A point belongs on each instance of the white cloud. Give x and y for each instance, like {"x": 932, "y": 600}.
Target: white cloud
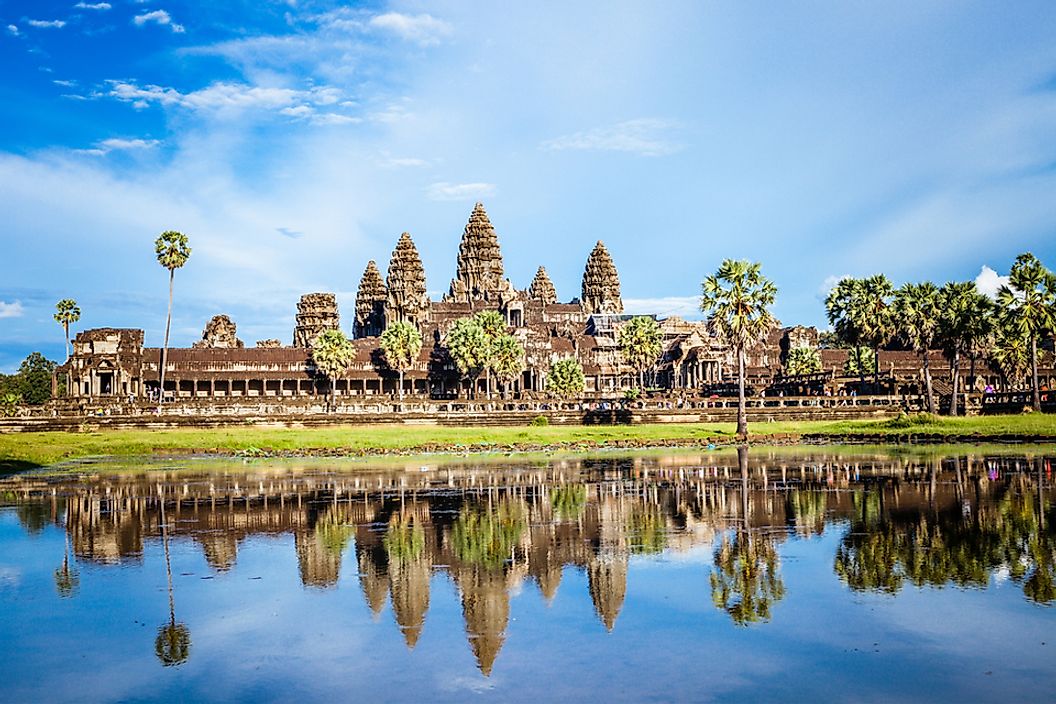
{"x": 989, "y": 281}
{"x": 65, "y": 84}
{"x": 664, "y": 307}
{"x": 11, "y": 310}
{"x": 424, "y": 30}
{"x": 227, "y": 96}
{"x": 159, "y": 17}
{"x": 118, "y": 144}
{"x": 101, "y": 6}
{"x": 12, "y": 29}
{"x": 644, "y": 137}
{"x": 46, "y": 24}
{"x": 830, "y": 283}
{"x": 459, "y": 191}
{"x": 402, "y": 162}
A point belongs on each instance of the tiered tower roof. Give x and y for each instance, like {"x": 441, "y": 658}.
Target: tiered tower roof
{"x": 316, "y": 313}
{"x": 406, "y": 299}
{"x": 601, "y": 283}
{"x": 370, "y": 302}
{"x": 479, "y": 276}
{"x": 542, "y": 288}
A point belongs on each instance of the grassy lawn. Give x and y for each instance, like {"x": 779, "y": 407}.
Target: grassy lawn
{"x": 22, "y": 450}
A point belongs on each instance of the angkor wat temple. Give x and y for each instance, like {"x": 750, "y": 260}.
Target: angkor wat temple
{"x": 113, "y": 363}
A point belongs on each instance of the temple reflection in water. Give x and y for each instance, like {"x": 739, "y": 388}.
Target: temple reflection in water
{"x": 492, "y": 528}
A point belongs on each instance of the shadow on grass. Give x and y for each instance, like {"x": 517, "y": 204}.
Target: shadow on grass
{"x": 10, "y": 467}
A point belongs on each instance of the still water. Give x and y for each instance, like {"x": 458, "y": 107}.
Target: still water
{"x": 824, "y": 574}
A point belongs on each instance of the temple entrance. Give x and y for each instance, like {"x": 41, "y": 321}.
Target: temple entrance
{"x": 106, "y": 383}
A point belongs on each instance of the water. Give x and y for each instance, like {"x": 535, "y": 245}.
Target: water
{"x": 861, "y": 575}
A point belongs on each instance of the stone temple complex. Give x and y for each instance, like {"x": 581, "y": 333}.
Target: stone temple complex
{"x": 114, "y": 363}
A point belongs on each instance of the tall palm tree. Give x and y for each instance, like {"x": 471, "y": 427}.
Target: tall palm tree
{"x": 641, "y": 343}
{"x": 400, "y": 343}
{"x": 1029, "y": 304}
{"x": 737, "y": 300}
{"x": 965, "y": 312}
{"x": 66, "y": 314}
{"x": 507, "y": 361}
{"x": 843, "y": 307}
{"x": 1010, "y": 354}
{"x": 917, "y": 310}
{"x": 877, "y": 322}
{"x": 468, "y": 346}
{"x": 494, "y": 327}
{"x": 333, "y": 354}
{"x": 173, "y": 252}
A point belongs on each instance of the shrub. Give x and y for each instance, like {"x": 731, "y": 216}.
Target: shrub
{"x": 539, "y": 421}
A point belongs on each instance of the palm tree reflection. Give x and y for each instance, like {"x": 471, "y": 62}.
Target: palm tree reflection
{"x": 173, "y": 643}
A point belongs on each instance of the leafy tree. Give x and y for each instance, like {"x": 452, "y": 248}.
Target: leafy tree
{"x": 1010, "y": 353}
{"x": 965, "y": 316}
{"x": 737, "y": 300}
{"x": 66, "y": 314}
{"x": 494, "y": 327}
{"x": 566, "y": 378}
{"x": 860, "y": 361}
{"x": 332, "y": 354}
{"x": 918, "y": 310}
{"x": 9, "y": 401}
{"x": 33, "y": 379}
{"x": 641, "y": 343}
{"x": 861, "y": 313}
{"x": 746, "y": 579}
{"x": 400, "y": 343}
{"x": 507, "y": 360}
{"x": 468, "y": 346}
{"x": 1029, "y": 304}
{"x": 172, "y": 251}
{"x": 802, "y": 360}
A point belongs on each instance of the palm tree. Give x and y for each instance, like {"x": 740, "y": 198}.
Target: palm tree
{"x": 66, "y": 578}
{"x": 565, "y": 378}
{"x": 737, "y": 300}
{"x": 468, "y": 346}
{"x": 641, "y": 343}
{"x": 1029, "y": 304}
{"x": 332, "y": 354}
{"x": 173, "y": 252}
{"x": 173, "y": 642}
{"x": 965, "y": 312}
{"x": 802, "y": 360}
{"x": 507, "y": 360}
{"x": 494, "y": 327}
{"x": 917, "y": 309}
{"x": 1010, "y": 353}
{"x": 843, "y": 307}
{"x": 401, "y": 342}
{"x": 861, "y": 314}
{"x": 66, "y": 314}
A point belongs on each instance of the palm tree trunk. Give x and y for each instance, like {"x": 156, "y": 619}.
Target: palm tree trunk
{"x": 927, "y": 381}
{"x": 66, "y": 327}
{"x": 742, "y": 414}
{"x": 876, "y": 368}
{"x": 1034, "y": 372}
{"x": 333, "y": 394}
{"x": 971, "y": 372}
{"x": 955, "y": 378}
{"x": 401, "y": 389}
{"x": 641, "y": 379}
{"x": 165, "y": 348}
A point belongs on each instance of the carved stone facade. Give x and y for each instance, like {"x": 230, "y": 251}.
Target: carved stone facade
{"x": 370, "y": 303}
{"x": 269, "y": 344}
{"x": 542, "y": 288}
{"x": 316, "y": 313}
{"x": 601, "y": 283}
{"x": 219, "y": 334}
{"x": 406, "y": 298}
{"x": 479, "y": 275}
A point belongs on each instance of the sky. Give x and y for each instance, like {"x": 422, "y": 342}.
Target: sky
{"x": 294, "y": 140}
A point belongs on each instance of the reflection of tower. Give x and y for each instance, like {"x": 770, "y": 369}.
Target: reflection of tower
{"x": 544, "y": 564}
{"x": 107, "y": 529}
{"x": 373, "y": 576}
{"x": 607, "y": 578}
{"x": 486, "y": 608}
{"x": 409, "y": 581}
{"x": 220, "y": 549}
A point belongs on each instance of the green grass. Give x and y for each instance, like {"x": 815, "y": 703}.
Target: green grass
{"x": 19, "y": 451}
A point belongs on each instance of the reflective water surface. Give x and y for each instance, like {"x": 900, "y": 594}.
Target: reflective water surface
{"x": 852, "y": 575}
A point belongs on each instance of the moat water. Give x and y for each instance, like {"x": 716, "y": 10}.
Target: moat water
{"x": 784, "y": 575}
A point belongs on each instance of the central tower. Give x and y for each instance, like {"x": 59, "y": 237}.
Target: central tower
{"x": 479, "y": 275}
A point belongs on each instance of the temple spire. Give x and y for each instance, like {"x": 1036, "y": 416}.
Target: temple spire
{"x": 406, "y": 299}
{"x": 479, "y": 275}
{"x": 601, "y": 283}
{"x": 370, "y": 303}
{"x": 542, "y": 288}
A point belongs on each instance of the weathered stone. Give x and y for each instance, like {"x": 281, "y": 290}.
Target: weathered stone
{"x": 219, "y": 334}
{"x": 269, "y": 344}
{"x": 479, "y": 276}
{"x": 601, "y": 283}
{"x": 370, "y": 303}
{"x": 406, "y": 298}
{"x": 316, "y": 313}
{"x": 542, "y": 288}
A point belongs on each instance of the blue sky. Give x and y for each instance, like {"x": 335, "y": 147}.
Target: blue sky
{"x": 294, "y": 140}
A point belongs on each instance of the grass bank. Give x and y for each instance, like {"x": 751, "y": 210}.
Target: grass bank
{"x": 20, "y": 451}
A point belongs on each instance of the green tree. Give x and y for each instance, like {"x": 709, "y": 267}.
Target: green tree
{"x": 1029, "y": 304}
{"x": 507, "y": 361}
{"x": 802, "y": 360}
{"x": 566, "y": 378}
{"x": 172, "y": 251}
{"x": 468, "y": 346}
{"x": 918, "y": 310}
{"x": 965, "y": 312}
{"x": 332, "y": 354}
{"x": 641, "y": 343}
{"x": 33, "y": 379}
{"x": 861, "y": 313}
{"x": 66, "y": 314}
{"x": 401, "y": 343}
{"x": 746, "y": 579}
{"x": 9, "y": 401}
{"x": 860, "y": 361}
{"x": 494, "y": 327}
{"x": 1010, "y": 353}
{"x": 737, "y": 300}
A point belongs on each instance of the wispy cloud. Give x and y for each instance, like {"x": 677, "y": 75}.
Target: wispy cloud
{"x": 424, "y": 30}
{"x": 830, "y": 283}
{"x": 13, "y": 30}
{"x": 100, "y": 6}
{"x": 45, "y": 24}
{"x": 402, "y": 162}
{"x": 119, "y": 144}
{"x": 11, "y": 310}
{"x": 665, "y": 306}
{"x": 227, "y": 96}
{"x": 159, "y": 17}
{"x": 989, "y": 281}
{"x": 65, "y": 84}
{"x": 287, "y": 232}
{"x": 644, "y": 137}
{"x": 444, "y": 191}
